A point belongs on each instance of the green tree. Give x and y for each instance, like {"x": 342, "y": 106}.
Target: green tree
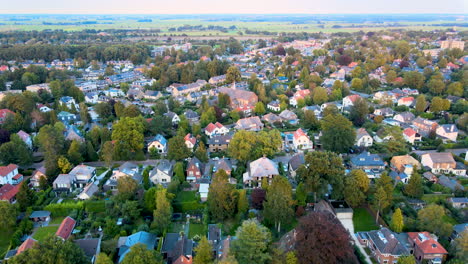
{"x": 102, "y": 258}
{"x": 25, "y": 196}
{"x": 251, "y": 245}
{"x": 310, "y": 121}
{"x": 356, "y": 186}
{"x": 359, "y": 112}
{"x": 356, "y": 84}
{"x": 436, "y": 86}
{"x": 129, "y": 132}
{"x": 301, "y": 194}
{"x": 421, "y": 103}
{"x": 291, "y": 258}
{"x": 233, "y": 75}
{"x": 84, "y": 114}
{"x": 391, "y": 76}
{"x": 163, "y": 212}
{"x": 438, "y": 104}
{"x": 140, "y": 254}
{"x": 397, "y": 223}
{"x": 338, "y": 133}
{"x": 321, "y": 169}
{"x": 414, "y": 79}
{"x": 248, "y": 145}
{"x": 455, "y": 88}
{"x": 320, "y": 95}
{"x": 201, "y": 153}
{"x": 64, "y": 165}
{"x": 107, "y": 152}
{"x": 406, "y": 260}
{"x": 204, "y": 252}
{"x": 130, "y": 210}
{"x": 16, "y": 152}
{"x": 242, "y": 202}
{"x": 74, "y": 155}
{"x": 461, "y": 247}
{"x": 222, "y": 197}
{"x": 380, "y": 201}
{"x": 259, "y": 108}
{"x": 415, "y": 187}
{"x": 51, "y": 141}
{"x": 179, "y": 171}
{"x": 177, "y": 150}
{"x": 277, "y": 209}
{"x": 7, "y": 215}
{"x": 127, "y": 188}
{"x": 431, "y": 219}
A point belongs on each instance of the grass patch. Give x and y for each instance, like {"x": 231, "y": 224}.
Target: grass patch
{"x": 186, "y": 196}
{"x": 176, "y": 227}
{"x": 363, "y": 220}
{"x": 196, "y": 229}
{"x": 43, "y": 232}
{"x": 5, "y": 241}
{"x": 100, "y": 171}
{"x": 56, "y": 220}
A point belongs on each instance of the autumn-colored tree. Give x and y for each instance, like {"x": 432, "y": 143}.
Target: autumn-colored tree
{"x": 431, "y": 219}
{"x": 397, "y": 223}
{"x": 222, "y": 197}
{"x": 126, "y": 187}
{"x": 204, "y": 252}
{"x": 356, "y": 187}
{"x": 278, "y": 205}
{"x": 64, "y": 165}
{"x": 321, "y": 238}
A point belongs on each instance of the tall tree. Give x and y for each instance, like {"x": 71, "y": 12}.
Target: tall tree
{"x": 359, "y": 112}
{"x": 380, "y": 201}
{"x": 51, "y": 141}
{"x": 163, "y": 213}
{"x": 233, "y": 75}
{"x": 251, "y": 245}
{"x": 321, "y": 169}
{"x": 74, "y": 155}
{"x": 397, "y": 221}
{"x": 129, "y": 132}
{"x": 102, "y": 258}
{"x": 356, "y": 187}
{"x": 177, "y": 150}
{"x": 421, "y": 103}
{"x": 415, "y": 187}
{"x": 7, "y": 215}
{"x": 338, "y": 133}
{"x": 25, "y": 196}
{"x": 321, "y": 238}
{"x": 278, "y": 205}
{"x": 431, "y": 219}
{"x": 204, "y": 252}
{"x": 140, "y": 254}
{"x": 201, "y": 153}
{"x": 242, "y": 202}
{"x": 127, "y": 188}
{"x": 222, "y": 197}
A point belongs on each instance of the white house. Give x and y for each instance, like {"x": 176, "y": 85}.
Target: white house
{"x": 274, "y": 106}
{"x": 175, "y": 119}
{"x": 215, "y": 129}
{"x": 162, "y": 173}
{"x": 88, "y": 191}
{"x": 158, "y": 142}
{"x": 411, "y": 136}
{"x": 190, "y": 141}
{"x": 301, "y": 140}
{"x": 349, "y": 100}
{"x": 9, "y": 175}
{"x": 363, "y": 139}
{"x": 26, "y": 138}
{"x": 68, "y": 102}
{"x": 448, "y": 131}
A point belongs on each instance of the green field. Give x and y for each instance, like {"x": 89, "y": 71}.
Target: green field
{"x": 43, "y": 232}
{"x": 5, "y": 241}
{"x": 363, "y": 221}
{"x": 56, "y": 221}
{"x": 196, "y": 229}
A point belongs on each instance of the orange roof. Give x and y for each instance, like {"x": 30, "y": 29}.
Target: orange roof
{"x": 353, "y": 64}
{"x": 27, "y": 244}
{"x": 8, "y": 191}
{"x": 4, "y": 112}
{"x": 183, "y": 260}
{"x": 299, "y": 133}
{"x": 301, "y": 93}
{"x": 353, "y": 97}
{"x": 409, "y": 132}
{"x": 210, "y": 127}
{"x": 426, "y": 243}
{"x": 66, "y": 228}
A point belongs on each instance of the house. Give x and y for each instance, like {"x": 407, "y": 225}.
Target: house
{"x": 426, "y": 248}
{"x": 176, "y": 246}
{"x": 448, "y": 132}
{"x": 40, "y": 216}
{"x": 386, "y": 112}
{"x": 404, "y": 118}
{"x": 372, "y": 164}
{"x": 43, "y": 108}
{"x": 219, "y": 143}
{"x": 274, "y": 106}
{"x": 175, "y": 119}
{"x": 458, "y": 230}
{"x": 92, "y": 98}
{"x": 27, "y": 244}
{"x": 250, "y": 124}
{"x": 273, "y": 119}
{"x": 159, "y": 143}
{"x": 9, "y": 175}
{"x": 69, "y": 102}
{"x": 72, "y": 133}
{"x": 424, "y": 127}
{"x": 301, "y": 140}
{"x": 66, "y": 117}
{"x": 215, "y": 129}
{"x": 299, "y": 95}
{"x": 66, "y": 228}
{"x": 8, "y": 193}
{"x": 458, "y": 202}
{"x": 399, "y": 176}
{"x": 203, "y": 190}
{"x": 452, "y": 184}
{"x": 215, "y": 238}
{"x": 162, "y": 173}
{"x": 384, "y": 245}
{"x": 194, "y": 170}
{"x": 187, "y": 88}
{"x": 83, "y": 175}
{"x": 152, "y": 95}
{"x": 26, "y": 138}
{"x": 4, "y": 113}
{"x": 406, "y": 101}
{"x": 349, "y": 100}
{"x": 294, "y": 163}
{"x": 262, "y": 168}
{"x": 405, "y": 163}
{"x": 430, "y": 177}
{"x": 239, "y": 98}
{"x": 289, "y": 116}
{"x": 184, "y": 260}
{"x": 442, "y": 163}
{"x": 36, "y": 177}
{"x": 363, "y": 139}
{"x": 64, "y": 183}
{"x": 222, "y": 164}
{"x": 190, "y": 141}
{"x": 90, "y": 246}
{"x": 128, "y": 169}
{"x": 88, "y": 191}
{"x": 125, "y": 243}
{"x": 411, "y": 136}
{"x": 192, "y": 116}
{"x": 217, "y": 79}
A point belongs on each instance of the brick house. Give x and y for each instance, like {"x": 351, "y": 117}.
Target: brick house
{"x": 219, "y": 143}
{"x": 384, "y": 245}
{"x": 194, "y": 170}
{"x": 426, "y": 248}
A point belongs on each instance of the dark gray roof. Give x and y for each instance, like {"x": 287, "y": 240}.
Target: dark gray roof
{"x": 220, "y": 139}
{"x": 367, "y": 159}
{"x": 89, "y": 246}
{"x": 387, "y": 242}
{"x": 214, "y": 233}
{"x": 449, "y": 183}
{"x": 169, "y": 242}
{"x": 296, "y": 161}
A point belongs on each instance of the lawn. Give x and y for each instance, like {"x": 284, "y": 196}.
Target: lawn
{"x": 56, "y": 220}
{"x": 176, "y": 227}
{"x": 186, "y": 196}
{"x": 196, "y": 229}
{"x": 363, "y": 220}
{"x": 5, "y": 241}
{"x": 43, "y": 232}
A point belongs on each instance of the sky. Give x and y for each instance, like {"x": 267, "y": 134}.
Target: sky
{"x": 233, "y": 6}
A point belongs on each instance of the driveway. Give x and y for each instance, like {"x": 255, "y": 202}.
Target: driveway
{"x": 348, "y": 224}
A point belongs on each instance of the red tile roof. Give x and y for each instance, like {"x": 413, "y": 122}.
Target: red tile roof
{"x": 409, "y": 132}
{"x": 8, "y": 191}
{"x": 427, "y": 244}
{"x": 17, "y": 176}
{"x": 5, "y": 170}
{"x": 210, "y": 127}
{"x": 183, "y": 260}
{"x": 189, "y": 137}
{"x": 353, "y": 97}
{"x": 299, "y": 133}
{"x": 27, "y": 244}
{"x": 66, "y": 228}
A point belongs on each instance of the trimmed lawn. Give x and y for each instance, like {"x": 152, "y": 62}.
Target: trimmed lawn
{"x": 42, "y": 232}
{"x": 176, "y": 227}
{"x": 186, "y": 196}
{"x": 5, "y": 241}
{"x": 196, "y": 229}
{"x": 363, "y": 220}
{"x": 56, "y": 220}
